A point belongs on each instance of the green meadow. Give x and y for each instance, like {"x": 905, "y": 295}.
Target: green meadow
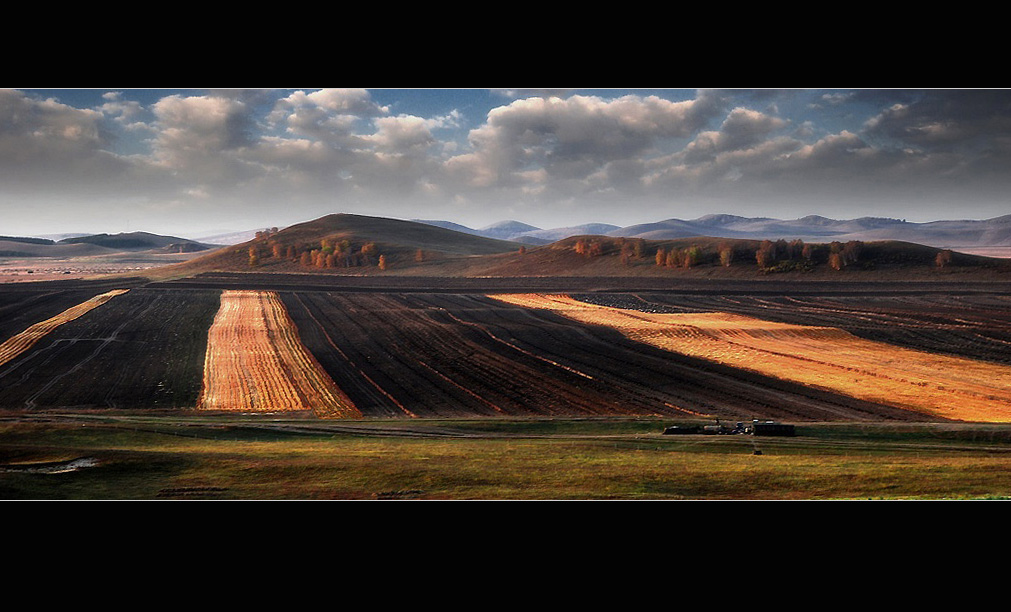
{"x": 141, "y": 457}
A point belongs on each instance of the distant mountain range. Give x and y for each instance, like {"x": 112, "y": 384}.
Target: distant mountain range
{"x": 995, "y": 232}
{"x": 813, "y": 228}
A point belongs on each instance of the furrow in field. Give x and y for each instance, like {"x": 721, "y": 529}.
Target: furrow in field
{"x": 21, "y": 342}
{"x": 256, "y": 362}
{"x": 823, "y": 357}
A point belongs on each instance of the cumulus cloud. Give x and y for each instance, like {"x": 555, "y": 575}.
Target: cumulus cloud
{"x": 45, "y": 140}
{"x": 552, "y": 154}
{"x": 573, "y": 138}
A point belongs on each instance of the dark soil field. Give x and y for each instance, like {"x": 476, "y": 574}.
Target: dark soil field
{"x": 458, "y": 355}
{"x": 402, "y": 352}
{"x": 24, "y": 304}
{"x": 144, "y": 348}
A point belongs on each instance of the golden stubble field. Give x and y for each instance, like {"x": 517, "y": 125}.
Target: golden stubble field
{"x": 824, "y": 357}
{"x": 256, "y": 362}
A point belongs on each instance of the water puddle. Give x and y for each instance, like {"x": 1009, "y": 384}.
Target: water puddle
{"x": 52, "y": 467}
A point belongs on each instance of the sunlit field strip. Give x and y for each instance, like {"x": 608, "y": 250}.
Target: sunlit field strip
{"x": 826, "y": 357}
{"x": 18, "y": 344}
{"x": 256, "y": 362}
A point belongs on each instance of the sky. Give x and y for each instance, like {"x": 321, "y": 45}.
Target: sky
{"x": 195, "y": 162}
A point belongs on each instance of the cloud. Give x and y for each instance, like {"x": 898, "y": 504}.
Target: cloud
{"x": 946, "y": 120}
{"x": 42, "y": 140}
{"x": 549, "y": 154}
{"x": 742, "y": 129}
{"x": 574, "y": 138}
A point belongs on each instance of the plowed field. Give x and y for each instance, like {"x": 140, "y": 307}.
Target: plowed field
{"x": 821, "y": 357}
{"x": 464, "y": 355}
{"x": 256, "y": 362}
{"x": 21, "y": 342}
{"x": 142, "y": 349}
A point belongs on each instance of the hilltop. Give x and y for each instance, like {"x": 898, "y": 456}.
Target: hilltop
{"x": 346, "y": 244}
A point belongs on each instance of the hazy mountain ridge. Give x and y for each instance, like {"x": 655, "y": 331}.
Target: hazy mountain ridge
{"x": 943, "y": 234}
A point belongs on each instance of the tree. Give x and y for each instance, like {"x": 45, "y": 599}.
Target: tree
{"x": 419, "y": 256}
{"x": 367, "y": 251}
{"x": 943, "y": 258}
{"x": 836, "y": 260}
{"x": 278, "y": 251}
{"x": 523, "y": 250}
{"x": 382, "y": 262}
{"x": 766, "y": 254}
{"x": 851, "y": 251}
{"x": 797, "y": 247}
{"x": 692, "y": 255}
{"x": 661, "y": 256}
{"x": 674, "y": 258}
{"x": 726, "y": 254}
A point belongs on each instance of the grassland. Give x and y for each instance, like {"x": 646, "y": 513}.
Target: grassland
{"x": 216, "y": 457}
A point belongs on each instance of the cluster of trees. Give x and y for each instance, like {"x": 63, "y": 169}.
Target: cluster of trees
{"x": 770, "y": 254}
{"x": 628, "y": 248}
{"x": 589, "y": 248}
{"x": 331, "y": 253}
{"x": 841, "y": 255}
{"x": 687, "y": 257}
{"x": 265, "y": 234}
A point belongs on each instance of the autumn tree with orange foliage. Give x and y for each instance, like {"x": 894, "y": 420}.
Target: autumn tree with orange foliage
{"x": 766, "y": 254}
{"x": 943, "y": 258}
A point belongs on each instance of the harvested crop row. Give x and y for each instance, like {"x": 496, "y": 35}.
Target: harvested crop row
{"x": 822, "y": 357}
{"x": 256, "y": 362}
{"x": 19, "y": 343}
{"x": 976, "y": 327}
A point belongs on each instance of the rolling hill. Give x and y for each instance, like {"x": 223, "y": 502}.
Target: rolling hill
{"x": 139, "y": 241}
{"x": 354, "y": 243}
{"x": 359, "y": 245}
